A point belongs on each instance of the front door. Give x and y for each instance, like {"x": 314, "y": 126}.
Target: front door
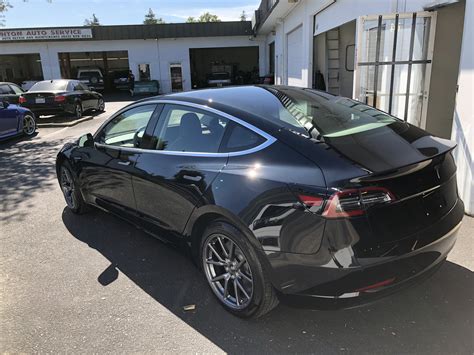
{"x": 176, "y": 74}
{"x": 8, "y": 120}
{"x": 394, "y": 63}
{"x": 105, "y": 170}
{"x": 181, "y": 162}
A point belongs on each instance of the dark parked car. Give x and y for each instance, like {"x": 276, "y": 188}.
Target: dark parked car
{"x": 219, "y": 79}
{"x": 10, "y": 92}
{"x": 15, "y": 120}
{"x": 279, "y": 192}
{"x": 50, "y": 97}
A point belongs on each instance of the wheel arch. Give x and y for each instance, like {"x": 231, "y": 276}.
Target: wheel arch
{"x": 203, "y": 217}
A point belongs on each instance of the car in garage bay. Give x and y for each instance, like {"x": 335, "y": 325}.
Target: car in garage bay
{"x": 10, "y": 92}
{"x": 50, "y": 97}
{"x": 279, "y": 193}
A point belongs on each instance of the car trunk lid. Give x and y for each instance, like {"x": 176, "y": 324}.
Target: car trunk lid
{"x": 38, "y": 99}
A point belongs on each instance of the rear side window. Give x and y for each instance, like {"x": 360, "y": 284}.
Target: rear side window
{"x": 239, "y": 138}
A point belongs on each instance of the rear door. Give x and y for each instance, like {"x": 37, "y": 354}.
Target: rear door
{"x": 106, "y": 169}
{"x": 181, "y": 161}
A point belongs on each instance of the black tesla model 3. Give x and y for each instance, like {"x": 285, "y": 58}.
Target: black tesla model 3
{"x": 278, "y": 192}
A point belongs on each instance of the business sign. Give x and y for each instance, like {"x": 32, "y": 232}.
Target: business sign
{"x": 45, "y": 33}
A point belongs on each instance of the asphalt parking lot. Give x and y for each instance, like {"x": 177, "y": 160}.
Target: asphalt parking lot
{"x": 95, "y": 284}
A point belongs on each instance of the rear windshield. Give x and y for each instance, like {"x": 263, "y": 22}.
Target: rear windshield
{"x": 89, "y": 74}
{"x": 309, "y": 112}
{"x": 320, "y": 114}
{"x": 49, "y": 86}
{"x": 219, "y": 76}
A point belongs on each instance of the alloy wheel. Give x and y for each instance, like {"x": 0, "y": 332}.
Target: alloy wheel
{"x": 67, "y": 186}
{"x": 228, "y": 271}
{"x": 29, "y": 125}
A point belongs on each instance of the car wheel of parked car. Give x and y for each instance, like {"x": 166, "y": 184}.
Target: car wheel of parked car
{"x": 71, "y": 193}
{"x": 235, "y": 273}
{"x": 78, "y": 110}
{"x": 29, "y": 125}
{"x": 101, "y": 105}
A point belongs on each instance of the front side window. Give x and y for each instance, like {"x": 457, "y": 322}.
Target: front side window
{"x": 127, "y": 128}
{"x": 186, "y": 129}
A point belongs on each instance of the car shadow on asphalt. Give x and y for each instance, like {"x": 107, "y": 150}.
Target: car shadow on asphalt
{"x": 435, "y": 316}
{"x": 26, "y": 168}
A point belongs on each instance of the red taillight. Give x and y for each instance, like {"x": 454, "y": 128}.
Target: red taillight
{"x": 347, "y": 203}
{"x": 311, "y": 201}
{"x": 354, "y": 202}
{"x": 22, "y": 100}
{"x": 59, "y": 98}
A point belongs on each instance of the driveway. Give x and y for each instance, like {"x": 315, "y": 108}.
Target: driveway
{"x": 94, "y": 283}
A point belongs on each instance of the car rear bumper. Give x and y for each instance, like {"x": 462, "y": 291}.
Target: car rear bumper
{"x": 334, "y": 280}
{"x": 49, "y": 110}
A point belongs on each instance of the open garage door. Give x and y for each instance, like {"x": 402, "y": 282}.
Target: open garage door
{"x": 111, "y": 67}
{"x": 295, "y": 56}
{"x": 223, "y": 66}
{"x": 22, "y": 69}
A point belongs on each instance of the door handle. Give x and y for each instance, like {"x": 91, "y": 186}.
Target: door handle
{"x": 124, "y": 163}
{"x": 192, "y": 178}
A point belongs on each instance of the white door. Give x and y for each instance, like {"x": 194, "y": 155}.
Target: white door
{"x": 294, "y": 50}
{"x": 394, "y": 54}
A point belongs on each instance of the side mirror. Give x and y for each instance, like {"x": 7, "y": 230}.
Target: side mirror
{"x": 86, "y": 140}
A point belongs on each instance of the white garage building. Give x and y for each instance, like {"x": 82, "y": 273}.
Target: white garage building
{"x": 157, "y": 52}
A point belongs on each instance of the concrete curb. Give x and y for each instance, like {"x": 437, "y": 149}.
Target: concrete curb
{"x": 63, "y": 124}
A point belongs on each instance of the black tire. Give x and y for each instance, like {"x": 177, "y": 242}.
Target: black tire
{"x": 78, "y": 110}
{"x": 75, "y": 202}
{"x": 263, "y": 297}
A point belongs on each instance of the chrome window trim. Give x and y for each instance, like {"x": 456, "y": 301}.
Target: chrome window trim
{"x": 269, "y": 140}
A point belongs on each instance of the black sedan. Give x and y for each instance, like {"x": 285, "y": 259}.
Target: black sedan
{"x": 10, "y": 93}
{"x": 280, "y": 193}
{"x": 51, "y": 97}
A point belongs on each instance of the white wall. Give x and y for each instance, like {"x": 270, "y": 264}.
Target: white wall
{"x": 463, "y": 125}
{"x": 330, "y": 14}
{"x": 158, "y": 53}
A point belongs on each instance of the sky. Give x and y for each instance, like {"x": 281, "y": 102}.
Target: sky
{"x": 44, "y": 13}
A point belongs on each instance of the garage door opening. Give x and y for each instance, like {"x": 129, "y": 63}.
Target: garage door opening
{"x": 21, "y": 69}
{"x": 101, "y": 70}
{"x": 223, "y": 66}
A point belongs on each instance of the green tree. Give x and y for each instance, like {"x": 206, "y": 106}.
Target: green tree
{"x": 150, "y": 18}
{"x": 205, "y": 17}
{"x": 93, "y": 21}
{"x": 4, "y": 5}
{"x": 243, "y": 16}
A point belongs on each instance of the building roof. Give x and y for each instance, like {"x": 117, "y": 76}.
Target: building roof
{"x": 169, "y": 30}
